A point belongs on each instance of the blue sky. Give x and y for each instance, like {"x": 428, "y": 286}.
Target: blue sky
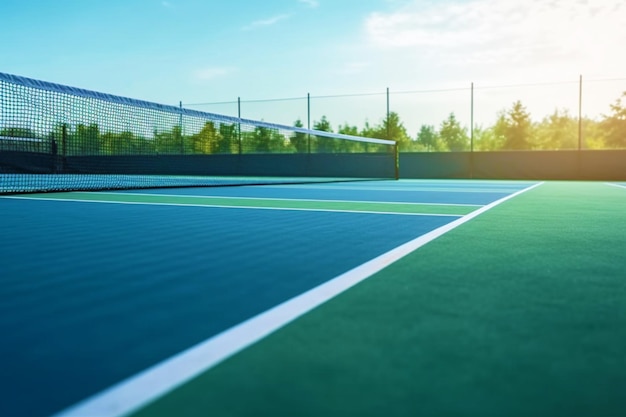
{"x": 198, "y": 51}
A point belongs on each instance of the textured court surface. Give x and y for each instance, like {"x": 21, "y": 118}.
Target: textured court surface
{"x": 519, "y": 310}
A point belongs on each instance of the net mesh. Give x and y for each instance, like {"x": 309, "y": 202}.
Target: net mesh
{"x": 60, "y": 138}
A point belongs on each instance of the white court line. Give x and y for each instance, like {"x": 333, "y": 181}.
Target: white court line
{"x": 139, "y": 203}
{"x": 135, "y": 392}
{"x": 456, "y": 181}
{"x": 312, "y": 200}
{"x": 615, "y": 185}
{"x": 412, "y": 189}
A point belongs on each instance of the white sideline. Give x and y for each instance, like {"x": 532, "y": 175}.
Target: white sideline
{"x": 615, "y": 185}
{"x": 137, "y": 391}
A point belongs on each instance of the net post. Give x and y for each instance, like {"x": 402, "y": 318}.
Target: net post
{"x": 396, "y": 157}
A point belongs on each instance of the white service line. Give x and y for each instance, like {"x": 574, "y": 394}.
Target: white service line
{"x": 310, "y": 200}
{"x": 145, "y": 203}
{"x": 403, "y": 189}
{"x": 135, "y": 392}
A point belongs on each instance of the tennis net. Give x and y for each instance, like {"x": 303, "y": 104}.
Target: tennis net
{"x": 59, "y": 138}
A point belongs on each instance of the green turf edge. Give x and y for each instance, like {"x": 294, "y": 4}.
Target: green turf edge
{"x": 521, "y": 311}
{"x": 376, "y": 207}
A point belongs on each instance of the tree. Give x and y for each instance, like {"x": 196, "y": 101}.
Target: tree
{"x": 123, "y": 143}
{"x": 299, "y": 140}
{"x": 179, "y": 140}
{"x": 594, "y": 135}
{"x": 393, "y": 129}
{"x": 18, "y": 132}
{"x": 369, "y": 131}
{"x": 278, "y": 142}
{"x": 486, "y": 139}
{"x": 322, "y": 143}
{"x": 453, "y": 135}
{"x": 86, "y": 140}
{"x": 169, "y": 142}
{"x": 25, "y": 140}
{"x": 322, "y": 125}
{"x": 260, "y": 140}
{"x": 348, "y": 130}
{"x": 427, "y": 138}
{"x": 349, "y": 145}
{"x": 206, "y": 141}
{"x": 615, "y": 124}
{"x": 557, "y": 131}
{"x": 265, "y": 140}
{"x": 516, "y": 127}
{"x": 227, "y": 140}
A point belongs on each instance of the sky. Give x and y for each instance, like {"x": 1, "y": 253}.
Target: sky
{"x": 426, "y": 52}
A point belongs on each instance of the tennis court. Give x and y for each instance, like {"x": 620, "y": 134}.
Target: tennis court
{"x": 143, "y": 274}
{"x": 316, "y": 299}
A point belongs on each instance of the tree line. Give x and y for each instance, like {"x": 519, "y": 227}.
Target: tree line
{"x": 211, "y": 138}
{"x": 513, "y": 129}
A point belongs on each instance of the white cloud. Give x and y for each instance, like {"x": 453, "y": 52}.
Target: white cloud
{"x": 546, "y": 34}
{"x": 210, "y": 73}
{"x": 310, "y": 3}
{"x": 266, "y": 22}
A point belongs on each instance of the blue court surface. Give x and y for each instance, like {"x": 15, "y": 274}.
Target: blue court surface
{"x": 94, "y": 292}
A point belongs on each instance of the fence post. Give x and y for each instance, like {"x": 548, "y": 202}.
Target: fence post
{"x": 580, "y": 127}
{"x": 239, "y": 125}
{"x": 388, "y": 127}
{"x": 308, "y": 121}
{"x": 180, "y": 127}
{"x": 580, "y": 112}
{"x": 471, "y": 156}
{"x": 63, "y": 146}
{"x": 472, "y": 118}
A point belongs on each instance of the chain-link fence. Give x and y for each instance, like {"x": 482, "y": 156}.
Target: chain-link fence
{"x": 567, "y": 114}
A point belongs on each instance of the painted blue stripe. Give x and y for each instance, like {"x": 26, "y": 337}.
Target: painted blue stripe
{"x": 95, "y": 293}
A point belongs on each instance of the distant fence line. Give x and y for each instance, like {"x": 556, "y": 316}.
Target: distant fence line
{"x": 465, "y": 103}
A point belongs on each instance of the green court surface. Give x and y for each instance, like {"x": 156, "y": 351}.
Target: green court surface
{"x": 518, "y": 312}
